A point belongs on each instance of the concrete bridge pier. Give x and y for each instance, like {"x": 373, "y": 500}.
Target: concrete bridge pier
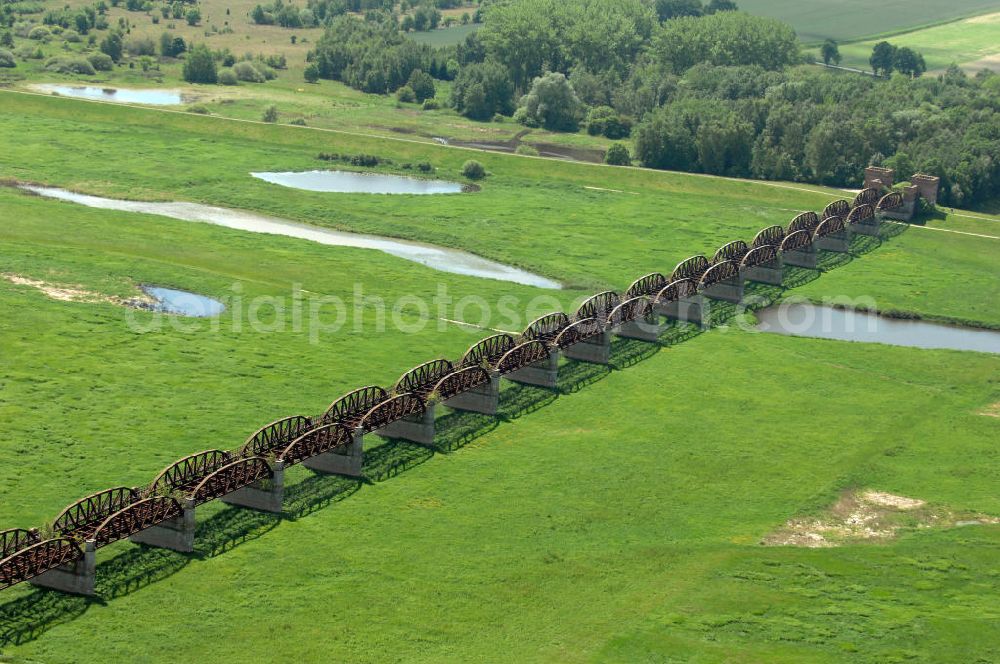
{"x": 727, "y": 291}
{"x": 644, "y": 329}
{"x": 838, "y": 242}
{"x": 345, "y": 461}
{"x": 687, "y": 310}
{"x": 484, "y": 399}
{"x": 868, "y": 227}
{"x": 76, "y": 578}
{"x": 544, "y": 373}
{"x": 417, "y": 428}
{"x": 265, "y": 495}
{"x": 596, "y": 350}
{"x": 772, "y": 274}
{"x": 806, "y": 257}
{"x": 176, "y": 534}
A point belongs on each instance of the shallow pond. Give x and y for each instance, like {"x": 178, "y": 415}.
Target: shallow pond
{"x": 438, "y": 258}
{"x": 809, "y": 320}
{"x": 174, "y": 301}
{"x": 346, "y": 182}
{"x": 120, "y": 95}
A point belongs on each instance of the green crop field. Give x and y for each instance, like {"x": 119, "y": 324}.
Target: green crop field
{"x": 445, "y": 36}
{"x": 616, "y": 519}
{"x": 816, "y": 20}
{"x": 973, "y": 44}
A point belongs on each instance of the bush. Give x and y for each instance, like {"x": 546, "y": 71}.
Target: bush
{"x": 101, "y": 61}
{"x": 245, "y": 71}
{"x": 198, "y": 108}
{"x": 431, "y": 105}
{"x": 311, "y": 73}
{"x": 199, "y": 66}
{"x": 69, "y": 65}
{"x": 72, "y": 36}
{"x": 604, "y": 120}
{"x": 141, "y": 46}
{"x": 617, "y": 155}
{"x": 228, "y": 77}
{"x": 366, "y": 160}
{"x": 7, "y": 59}
{"x": 521, "y": 116}
{"x": 473, "y": 170}
{"x": 270, "y": 114}
{"x": 553, "y": 103}
{"x": 7, "y": 39}
{"x": 39, "y": 33}
{"x": 526, "y": 149}
{"x": 298, "y": 122}
{"x": 425, "y": 167}
{"x": 405, "y": 94}
{"x": 193, "y": 16}
{"x": 422, "y": 85}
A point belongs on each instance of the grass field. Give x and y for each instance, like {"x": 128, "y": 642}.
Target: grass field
{"x": 445, "y": 36}
{"x": 973, "y": 44}
{"x": 618, "y": 519}
{"x": 815, "y": 20}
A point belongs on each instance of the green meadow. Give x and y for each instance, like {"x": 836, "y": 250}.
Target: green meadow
{"x": 815, "y": 20}
{"x": 973, "y": 43}
{"x": 616, "y": 519}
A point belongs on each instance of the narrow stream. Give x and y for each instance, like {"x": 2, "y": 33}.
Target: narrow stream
{"x": 809, "y": 320}
{"x": 438, "y": 258}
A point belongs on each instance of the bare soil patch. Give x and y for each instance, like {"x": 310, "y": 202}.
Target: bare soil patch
{"x": 868, "y": 516}
{"x": 76, "y": 293}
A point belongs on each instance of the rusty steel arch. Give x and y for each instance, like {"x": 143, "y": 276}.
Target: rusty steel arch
{"x": 275, "y": 435}
{"x": 891, "y": 201}
{"x": 766, "y": 254}
{"x": 488, "y": 351}
{"x": 230, "y": 477}
{"x": 598, "y": 306}
{"x": 322, "y": 439}
{"x": 837, "y": 208}
{"x": 807, "y": 221}
{"x": 733, "y": 251}
{"x": 422, "y": 378}
{"x": 459, "y": 381}
{"x": 392, "y": 409}
{"x": 581, "y": 330}
{"x": 350, "y": 408}
{"x": 676, "y": 290}
{"x": 797, "y": 241}
{"x": 646, "y": 285}
{"x": 79, "y": 519}
{"x": 15, "y": 539}
{"x": 37, "y": 558}
{"x": 135, "y": 518}
{"x": 522, "y": 355}
{"x": 719, "y": 273}
{"x": 829, "y": 226}
{"x": 867, "y": 196}
{"x": 545, "y": 328}
{"x": 770, "y": 236}
{"x": 690, "y": 268}
{"x": 184, "y": 474}
{"x": 631, "y": 309}
{"x": 860, "y": 214}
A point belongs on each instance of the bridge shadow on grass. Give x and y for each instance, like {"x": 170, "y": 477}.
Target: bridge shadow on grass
{"x": 629, "y": 352}
{"x": 864, "y": 244}
{"x": 316, "y": 492}
{"x": 717, "y": 312}
{"x": 831, "y": 260}
{"x": 517, "y": 399}
{"x": 392, "y": 458}
{"x": 458, "y": 428}
{"x": 889, "y": 231}
{"x": 757, "y": 295}
{"x": 230, "y": 527}
{"x": 799, "y": 276}
{"x": 680, "y": 332}
{"x": 28, "y": 617}
{"x": 575, "y": 375}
